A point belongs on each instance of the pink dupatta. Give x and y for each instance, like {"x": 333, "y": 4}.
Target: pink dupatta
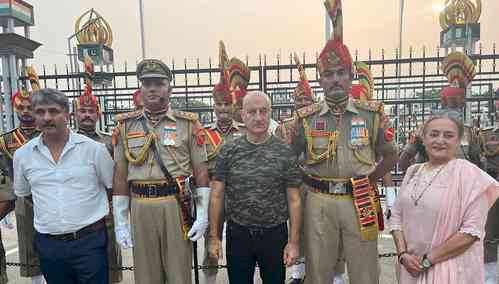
{"x": 467, "y": 185}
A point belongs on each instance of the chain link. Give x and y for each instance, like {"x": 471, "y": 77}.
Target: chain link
{"x": 199, "y": 267}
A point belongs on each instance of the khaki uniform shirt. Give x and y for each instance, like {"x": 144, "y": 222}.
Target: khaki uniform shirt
{"x": 359, "y": 137}
{"x": 489, "y": 144}
{"x": 215, "y": 138}
{"x": 9, "y": 143}
{"x": 179, "y": 142}
{"x": 104, "y": 138}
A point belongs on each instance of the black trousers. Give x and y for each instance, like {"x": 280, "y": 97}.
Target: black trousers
{"x": 247, "y": 246}
{"x": 82, "y": 261}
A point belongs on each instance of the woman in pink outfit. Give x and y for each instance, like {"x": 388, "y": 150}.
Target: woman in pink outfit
{"x": 439, "y": 217}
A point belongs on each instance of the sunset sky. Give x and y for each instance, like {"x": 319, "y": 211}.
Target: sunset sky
{"x": 191, "y": 29}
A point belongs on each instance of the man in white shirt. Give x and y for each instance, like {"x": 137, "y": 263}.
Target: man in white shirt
{"x": 66, "y": 174}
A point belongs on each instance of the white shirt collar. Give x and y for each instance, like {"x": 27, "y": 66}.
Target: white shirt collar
{"x": 74, "y": 138}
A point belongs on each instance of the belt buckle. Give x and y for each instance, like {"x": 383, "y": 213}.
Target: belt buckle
{"x": 70, "y": 237}
{"x": 336, "y": 188}
{"x": 152, "y": 191}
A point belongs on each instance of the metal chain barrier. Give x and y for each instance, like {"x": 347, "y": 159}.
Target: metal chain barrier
{"x": 199, "y": 267}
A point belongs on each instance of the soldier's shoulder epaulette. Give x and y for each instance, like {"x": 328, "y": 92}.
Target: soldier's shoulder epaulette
{"x": 10, "y": 132}
{"x": 209, "y": 125}
{"x": 373, "y": 106}
{"x": 308, "y": 110}
{"x": 127, "y": 115}
{"x": 185, "y": 115}
{"x": 486, "y": 129}
{"x": 107, "y": 134}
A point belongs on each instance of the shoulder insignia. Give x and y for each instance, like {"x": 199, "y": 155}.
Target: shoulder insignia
{"x": 209, "y": 125}
{"x": 308, "y": 110}
{"x": 287, "y": 120}
{"x": 105, "y": 134}
{"x": 185, "y": 115}
{"x": 485, "y": 129}
{"x": 373, "y": 106}
{"x": 127, "y": 115}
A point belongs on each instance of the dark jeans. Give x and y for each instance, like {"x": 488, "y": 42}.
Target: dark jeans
{"x": 82, "y": 261}
{"x": 247, "y": 246}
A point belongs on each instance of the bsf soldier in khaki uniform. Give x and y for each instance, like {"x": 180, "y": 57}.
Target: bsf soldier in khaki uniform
{"x": 303, "y": 96}
{"x": 9, "y": 143}
{"x": 459, "y": 70}
{"x": 489, "y": 143}
{"x": 224, "y": 129}
{"x": 155, "y": 152}
{"x": 341, "y": 139}
{"x": 87, "y": 113}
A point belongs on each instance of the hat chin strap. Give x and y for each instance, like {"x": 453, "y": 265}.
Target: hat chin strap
{"x": 337, "y": 105}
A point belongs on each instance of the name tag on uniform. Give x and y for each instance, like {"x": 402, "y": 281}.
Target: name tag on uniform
{"x": 136, "y": 139}
{"x": 359, "y": 134}
{"x": 170, "y": 134}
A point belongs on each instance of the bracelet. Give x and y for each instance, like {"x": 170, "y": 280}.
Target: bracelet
{"x": 400, "y": 254}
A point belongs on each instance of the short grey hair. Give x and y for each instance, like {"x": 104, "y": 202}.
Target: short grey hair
{"x": 257, "y": 94}
{"x": 50, "y": 96}
{"x": 452, "y": 115}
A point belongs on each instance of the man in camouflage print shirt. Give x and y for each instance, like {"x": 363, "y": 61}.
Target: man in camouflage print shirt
{"x": 257, "y": 175}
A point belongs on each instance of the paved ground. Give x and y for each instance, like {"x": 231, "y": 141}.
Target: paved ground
{"x": 387, "y": 265}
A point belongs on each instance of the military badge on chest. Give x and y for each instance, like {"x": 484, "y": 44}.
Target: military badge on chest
{"x": 320, "y": 124}
{"x": 359, "y": 134}
{"x": 169, "y": 134}
{"x": 136, "y": 139}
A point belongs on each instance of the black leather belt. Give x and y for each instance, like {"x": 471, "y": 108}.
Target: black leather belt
{"x": 153, "y": 190}
{"x": 94, "y": 227}
{"x": 329, "y": 187}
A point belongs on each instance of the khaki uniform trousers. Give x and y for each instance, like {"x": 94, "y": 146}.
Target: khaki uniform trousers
{"x": 330, "y": 221}
{"x": 491, "y": 234}
{"x": 113, "y": 252}
{"x": 339, "y": 268}
{"x": 25, "y": 237}
{"x": 160, "y": 253}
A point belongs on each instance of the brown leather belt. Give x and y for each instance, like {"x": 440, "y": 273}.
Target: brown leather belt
{"x": 153, "y": 189}
{"x": 87, "y": 230}
{"x": 328, "y": 187}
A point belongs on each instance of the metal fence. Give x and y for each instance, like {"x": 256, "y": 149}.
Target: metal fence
{"x": 413, "y": 90}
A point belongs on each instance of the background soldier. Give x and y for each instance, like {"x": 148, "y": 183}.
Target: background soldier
{"x": 459, "y": 70}
{"x": 341, "y": 139}
{"x": 9, "y": 143}
{"x": 224, "y": 129}
{"x": 155, "y": 152}
{"x": 489, "y": 143}
{"x": 302, "y": 96}
{"x": 87, "y": 114}
{"x": 137, "y": 101}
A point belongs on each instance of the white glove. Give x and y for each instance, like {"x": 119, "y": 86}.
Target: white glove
{"x": 7, "y": 221}
{"x": 121, "y": 205}
{"x": 201, "y": 223}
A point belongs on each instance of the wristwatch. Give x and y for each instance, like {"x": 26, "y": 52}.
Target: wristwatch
{"x": 426, "y": 263}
